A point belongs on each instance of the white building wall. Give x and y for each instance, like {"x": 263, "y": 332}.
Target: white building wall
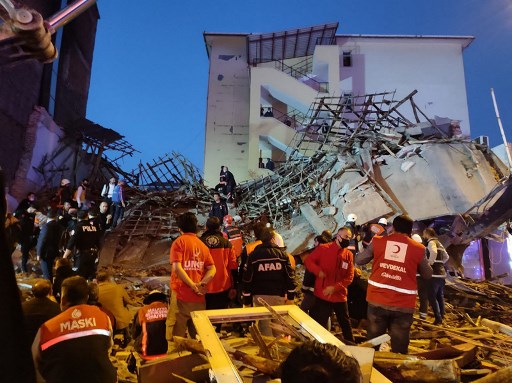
{"x": 227, "y": 117}
{"x": 434, "y": 67}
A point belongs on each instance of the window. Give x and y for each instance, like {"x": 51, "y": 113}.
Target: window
{"x": 347, "y": 98}
{"x": 347, "y": 58}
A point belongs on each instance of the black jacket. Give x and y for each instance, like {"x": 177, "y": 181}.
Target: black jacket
{"x": 219, "y": 210}
{"x": 86, "y": 236}
{"x": 48, "y": 241}
{"x": 268, "y": 271}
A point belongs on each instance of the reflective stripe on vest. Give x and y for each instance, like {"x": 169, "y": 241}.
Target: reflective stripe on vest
{"x": 390, "y": 287}
{"x": 74, "y": 335}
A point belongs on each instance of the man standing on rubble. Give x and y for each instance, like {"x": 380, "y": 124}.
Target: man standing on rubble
{"x": 219, "y": 208}
{"x": 333, "y": 266}
{"x": 118, "y": 203}
{"x": 192, "y": 269}
{"x": 437, "y": 256}
{"x": 392, "y": 287}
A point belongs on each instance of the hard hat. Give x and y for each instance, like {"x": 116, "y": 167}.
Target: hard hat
{"x": 351, "y": 217}
{"x": 237, "y": 218}
{"x": 417, "y": 238}
{"x": 228, "y": 219}
{"x": 383, "y": 221}
{"x": 65, "y": 182}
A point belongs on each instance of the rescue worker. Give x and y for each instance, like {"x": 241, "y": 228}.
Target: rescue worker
{"x": 148, "y": 328}
{"x": 222, "y": 287}
{"x": 249, "y": 248}
{"x": 233, "y": 234}
{"x": 80, "y": 195}
{"x": 356, "y": 235}
{"x": 333, "y": 266}
{"x": 74, "y": 346}
{"x": 85, "y": 240}
{"x": 64, "y": 194}
{"x": 268, "y": 274}
{"x": 192, "y": 269}
{"x": 392, "y": 287}
{"x": 437, "y": 257}
{"x": 308, "y": 282}
{"x": 373, "y": 229}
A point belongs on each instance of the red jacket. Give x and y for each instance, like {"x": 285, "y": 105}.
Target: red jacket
{"x": 338, "y": 266}
{"x": 393, "y": 279}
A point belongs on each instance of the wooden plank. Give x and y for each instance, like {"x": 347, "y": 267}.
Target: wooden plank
{"x": 501, "y": 376}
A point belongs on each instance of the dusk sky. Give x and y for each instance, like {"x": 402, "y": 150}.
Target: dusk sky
{"x": 150, "y": 68}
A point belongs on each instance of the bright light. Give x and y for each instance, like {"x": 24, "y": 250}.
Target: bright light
{"x": 509, "y": 248}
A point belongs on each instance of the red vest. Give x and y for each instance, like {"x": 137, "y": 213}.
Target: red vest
{"x": 393, "y": 279}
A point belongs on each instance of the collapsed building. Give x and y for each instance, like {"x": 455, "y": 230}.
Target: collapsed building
{"x": 363, "y": 157}
{"x": 362, "y": 154}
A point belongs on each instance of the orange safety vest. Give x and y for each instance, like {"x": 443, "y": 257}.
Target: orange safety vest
{"x": 76, "y": 322}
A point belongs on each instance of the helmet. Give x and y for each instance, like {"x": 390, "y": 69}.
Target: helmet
{"x": 417, "y": 238}
{"x": 228, "y": 219}
{"x": 237, "y": 218}
{"x": 351, "y": 217}
{"x": 383, "y": 221}
{"x": 65, "y": 182}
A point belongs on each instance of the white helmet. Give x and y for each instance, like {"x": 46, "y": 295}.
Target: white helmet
{"x": 417, "y": 238}
{"x": 65, "y": 182}
{"x": 351, "y": 217}
{"x": 383, "y": 221}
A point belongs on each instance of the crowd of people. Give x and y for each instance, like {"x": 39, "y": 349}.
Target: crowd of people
{"x": 76, "y": 310}
{"x": 69, "y": 225}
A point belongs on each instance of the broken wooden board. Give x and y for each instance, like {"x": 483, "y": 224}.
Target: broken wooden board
{"x": 425, "y": 371}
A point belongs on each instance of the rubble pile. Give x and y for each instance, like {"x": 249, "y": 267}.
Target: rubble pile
{"x": 371, "y": 156}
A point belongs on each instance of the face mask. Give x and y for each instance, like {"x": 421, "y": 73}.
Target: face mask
{"x": 344, "y": 243}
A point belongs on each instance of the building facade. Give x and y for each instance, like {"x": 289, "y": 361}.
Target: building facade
{"x": 261, "y": 86}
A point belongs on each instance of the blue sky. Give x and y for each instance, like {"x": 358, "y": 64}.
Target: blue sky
{"x": 149, "y": 77}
